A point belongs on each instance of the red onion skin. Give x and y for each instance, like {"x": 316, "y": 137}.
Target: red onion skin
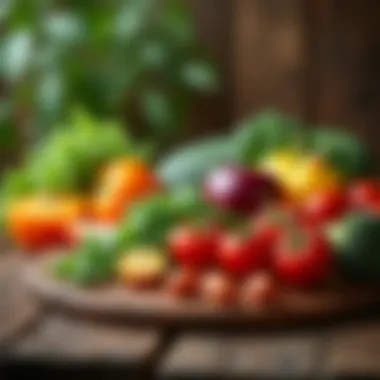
{"x": 239, "y": 189}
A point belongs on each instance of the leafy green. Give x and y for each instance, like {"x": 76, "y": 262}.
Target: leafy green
{"x": 68, "y": 158}
{"x": 105, "y": 55}
{"x": 92, "y": 263}
{"x": 344, "y": 151}
{"x": 269, "y": 130}
{"x": 149, "y": 221}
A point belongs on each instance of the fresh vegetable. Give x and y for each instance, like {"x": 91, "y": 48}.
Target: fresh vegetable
{"x": 236, "y": 188}
{"x": 218, "y": 289}
{"x": 259, "y": 290}
{"x": 150, "y": 220}
{"x": 301, "y": 176}
{"x": 189, "y": 165}
{"x": 183, "y": 283}
{"x": 356, "y": 241}
{"x": 79, "y": 231}
{"x": 239, "y": 255}
{"x": 324, "y": 207}
{"x": 303, "y": 258}
{"x": 142, "y": 267}
{"x": 364, "y": 194}
{"x": 121, "y": 184}
{"x": 267, "y": 227}
{"x": 194, "y": 247}
{"x": 350, "y": 157}
{"x": 91, "y": 263}
{"x": 266, "y": 132}
{"x": 42, "y": 222}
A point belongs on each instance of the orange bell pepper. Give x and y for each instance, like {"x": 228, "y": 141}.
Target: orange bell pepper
{"x": 122, "y": 183}
{"x": 43, "y": 222}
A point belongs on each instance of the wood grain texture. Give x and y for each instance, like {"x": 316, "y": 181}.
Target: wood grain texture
{"x": 17, "y": 309}
{"x": 158, "y": 307}
{"x": 349, "y": 57}
{"x": 60, "y": 338}
{"x": 210, "y": 355}
{"x": 268, "y": 56}
{"x": 354, "y": 350}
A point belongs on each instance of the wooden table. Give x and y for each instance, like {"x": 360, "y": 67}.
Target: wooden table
{"x": 46, "y": 342}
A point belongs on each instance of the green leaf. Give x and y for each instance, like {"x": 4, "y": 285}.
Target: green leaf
{"x": 200, "y": 76}
{"x": 17, "y": 53}
{"x": 65, "y": 28}
{"x": 177, "y": 22}
{"x": 50, "y": 98}
{"x": 158, "y": 110}
{"x": 6, "y": 7}
{"x": 8, "y": 134}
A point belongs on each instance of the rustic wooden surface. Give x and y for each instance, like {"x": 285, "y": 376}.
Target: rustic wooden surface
{"x": 17, "y": 310}
{"x": 158, "y": 307}
{"x": 57, "y": 344}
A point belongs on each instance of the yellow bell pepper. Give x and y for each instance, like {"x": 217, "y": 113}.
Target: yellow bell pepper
{"x": 301, "y": 176}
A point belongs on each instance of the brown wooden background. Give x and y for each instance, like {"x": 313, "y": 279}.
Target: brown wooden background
{"x": 317, "y": 59}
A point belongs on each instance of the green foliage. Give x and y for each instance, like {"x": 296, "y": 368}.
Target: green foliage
{"x": 68, "y": 159}
{"x": 189, "y": 164}
{"x": 90, "y": 264}
{"x": 343, "y": 150}
{"x": 105, "y": 55}
{"x": 149, "y": 221}
{"x": 264, "y": 132}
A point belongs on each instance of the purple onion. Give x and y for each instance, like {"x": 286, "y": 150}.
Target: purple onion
{"x": 239, "y": 189}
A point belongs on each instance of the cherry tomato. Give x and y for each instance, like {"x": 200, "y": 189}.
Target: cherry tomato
{"x": 240, "y": 255}
{"x": 303, "y": 258}
{"x": 324, "y": 207}
{"x": 259, "y": 290}
{"x": 266, "y": 230}
{"x": 364, "y": 193}
{"x": 194, "y": 247}
{"x": 218, "y": 289}
{"x": 183, "y": 283}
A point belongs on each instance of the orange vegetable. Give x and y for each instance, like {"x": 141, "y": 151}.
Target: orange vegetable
{"x": 121, "y": 184}
{"x": 42, "y": 222}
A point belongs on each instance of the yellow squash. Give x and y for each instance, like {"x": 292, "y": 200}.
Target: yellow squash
{"x": 301, "y": 175}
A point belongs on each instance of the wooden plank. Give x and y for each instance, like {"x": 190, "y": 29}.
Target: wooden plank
{"x": 268, "y": 56}
{"x": 59, "y": 338}
{"x": 279, "y": 356}
{"x": 195, "y": 356}
{"x": 18, "y": 310}
{"x": 354, "y": 351}
{"x": 212, "y": 356}
{"x": 349, "y": 75}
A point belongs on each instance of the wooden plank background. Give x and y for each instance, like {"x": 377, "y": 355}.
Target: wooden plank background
{"x": 317, "y": 59}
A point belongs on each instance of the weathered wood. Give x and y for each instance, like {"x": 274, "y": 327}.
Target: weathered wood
{"x": 348, "y": 60}
{"x": 59, "y": 338}
{"x": 354, "y": 350}
{"x": 17, "y": 309}
{"x": 268, "y": 56}
{"x": 157, "y": 306}
{"x": 290, "y": 356}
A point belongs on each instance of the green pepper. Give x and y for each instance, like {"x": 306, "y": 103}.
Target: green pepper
{"x": 344, "y": 151}
{"x": 356, "y": 242}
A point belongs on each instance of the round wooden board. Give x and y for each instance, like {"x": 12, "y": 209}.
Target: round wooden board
{"x": 114, "y": 300}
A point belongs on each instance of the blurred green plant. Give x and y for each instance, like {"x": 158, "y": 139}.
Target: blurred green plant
{"x": 114, "y": 57}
